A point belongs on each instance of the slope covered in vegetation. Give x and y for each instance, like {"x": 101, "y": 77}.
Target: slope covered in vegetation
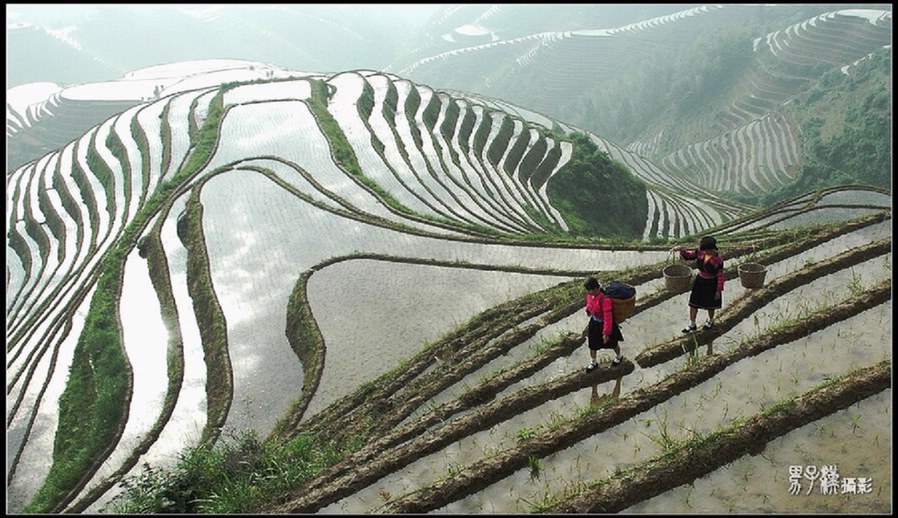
{"x": 252, "y": 289}
{"x": 138, "y": 202}
{"x": 719, "y": 95}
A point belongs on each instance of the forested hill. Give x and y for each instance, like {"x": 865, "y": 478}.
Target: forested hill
{"x": 719, "y": 95}
{"x": 722, "y": 95}
{"x": 311, "y": 262}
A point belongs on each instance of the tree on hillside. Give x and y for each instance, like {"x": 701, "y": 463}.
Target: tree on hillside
{"x": 598, "y": 196}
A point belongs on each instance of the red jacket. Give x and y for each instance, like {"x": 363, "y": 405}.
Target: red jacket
{"x": 601, "y": 308}
{"x": 708, "y": 265}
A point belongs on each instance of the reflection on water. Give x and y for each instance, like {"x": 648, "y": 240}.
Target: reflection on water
{"x": 753, "y": 484}
{"x": 857, "y": 440}
{"x": 600, "y": 400}
{"x": 373, "y": 314}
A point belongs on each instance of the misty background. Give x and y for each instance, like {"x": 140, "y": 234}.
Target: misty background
{"x": 96, "y": 42}
{"x": 653, "y": 78}
{"x": 92, "y": 42}
{"x": 697, "y": 115}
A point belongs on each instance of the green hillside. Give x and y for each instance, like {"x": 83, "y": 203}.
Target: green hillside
{"x": 846, "y": 124}
{"x": 265, "y": 290}
{"x": 755, "y": 103}
{"x": 598, "y": 196}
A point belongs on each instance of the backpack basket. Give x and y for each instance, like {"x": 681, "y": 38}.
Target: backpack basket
{"x": 677, "y": 277}
{"x": 623, "y": 308}
{"x": 623, "y": 296}
{"x": 752, "y": 274}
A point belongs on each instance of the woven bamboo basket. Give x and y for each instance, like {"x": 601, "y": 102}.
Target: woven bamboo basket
{"x": 752, "y": 274}
{"x": 677, "y": 277}
{"x": 624, "y": 308}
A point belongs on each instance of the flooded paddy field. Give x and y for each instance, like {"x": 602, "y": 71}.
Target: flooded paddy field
{"x": 756, "y": 482}
{"x": 239, "y": 275}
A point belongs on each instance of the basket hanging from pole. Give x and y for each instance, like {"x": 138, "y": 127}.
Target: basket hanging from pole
{"x": 752, "y": 274}
{"x": 677, "y": 277}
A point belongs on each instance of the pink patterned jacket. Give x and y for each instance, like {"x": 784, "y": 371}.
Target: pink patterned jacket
{"x": 600, "y": 307}
{"x": 709, "y": 266}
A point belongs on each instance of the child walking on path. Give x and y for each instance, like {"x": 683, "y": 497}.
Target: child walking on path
{"x": 707, "y": 289}
{"x": 603, "y": 332}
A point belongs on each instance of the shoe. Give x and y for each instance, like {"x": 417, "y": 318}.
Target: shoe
{"x": 690, "y": 328}
{"x": 617, "y": 360}
{"x": 708, "y": 325}
{"x": 592, "y": 365}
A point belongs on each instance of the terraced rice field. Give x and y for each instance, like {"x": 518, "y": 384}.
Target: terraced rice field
{"x": 243, "y": 272}
{"x": 747, "y": 146}
{"x": 525, "y": 428}
{"x": 112, "y": 193}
